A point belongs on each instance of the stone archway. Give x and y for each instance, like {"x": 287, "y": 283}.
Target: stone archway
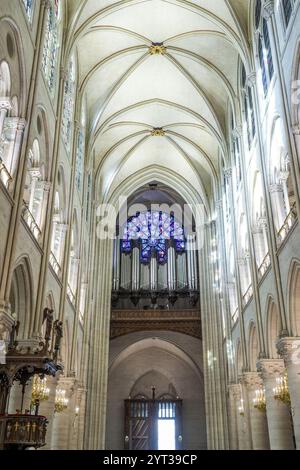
{"x": 142, "y": 360}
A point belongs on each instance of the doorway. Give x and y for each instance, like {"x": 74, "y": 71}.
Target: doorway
{"x": 153, "y": 424}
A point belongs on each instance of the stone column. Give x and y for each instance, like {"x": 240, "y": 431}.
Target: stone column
{"x": 278, "y": 415}
{"x": 6, "y": 321}
{"x": 258, "y": 419}
{"x": 289, "y": 349}
{"x": 76, "y": 442}
{"x": 63, "y": 422}
{"x": 47, "y": 409}
{"x": 258, "y": 244}
{"x": 5, "y": 106}
{"x": 277, "y": 198}
{"x": 232, "y": 415}
{"x": 41, "y": 216}
{"x": 240, "y": 418}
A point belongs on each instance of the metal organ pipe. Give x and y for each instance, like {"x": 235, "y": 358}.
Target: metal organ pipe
{"x": 116, "y": 276}
{"x": 153, "y": 273}
{"x": 171, "y": 269}
{"x": 135, "y": 269}
{"x": 125, "y": 270}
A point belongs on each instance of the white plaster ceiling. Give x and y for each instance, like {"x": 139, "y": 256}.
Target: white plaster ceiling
{"x": 185, "y": 91}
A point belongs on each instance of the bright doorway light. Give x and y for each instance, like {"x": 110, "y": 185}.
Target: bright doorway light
{"x": 166, "y": 434}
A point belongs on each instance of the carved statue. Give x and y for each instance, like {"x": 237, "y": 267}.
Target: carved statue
{"x": 48, "y": 316}
{"x": 14, "y": 333}
{"x": 58, "y": 329}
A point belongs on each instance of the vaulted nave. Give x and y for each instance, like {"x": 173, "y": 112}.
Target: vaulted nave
{"x": 150, "y": 243}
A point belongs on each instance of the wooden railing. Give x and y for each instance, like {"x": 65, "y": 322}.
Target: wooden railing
{"x": 21, "y": 431}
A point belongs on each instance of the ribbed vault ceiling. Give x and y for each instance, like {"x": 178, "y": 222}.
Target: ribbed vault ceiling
{"x": 183, "y": 91}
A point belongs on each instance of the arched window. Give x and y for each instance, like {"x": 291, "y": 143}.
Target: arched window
{"x": 88, "y": 197}
{"x": 236, "y": 152}
{"x": 287, "y": 7}
{"x": 153, "y": 229}
{"x": 34, "y": 191}
{"x": 50, "y": 51}
{"x": 264, "y": 48}
{"x": 29, "y": 6}
{"x": 74, "y": 261}
{"x": 58, "y": 227}
{"x": 68, "y": 109}
{"x": 80, "y": 160}
{"x": 248, "y": 108}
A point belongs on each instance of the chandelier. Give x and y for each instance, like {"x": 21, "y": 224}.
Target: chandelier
{"x": 61, "y": 402}
{"x": 281, "y": 391}
{"x": 40, "y": 392}
{"x": 259, "y": 401}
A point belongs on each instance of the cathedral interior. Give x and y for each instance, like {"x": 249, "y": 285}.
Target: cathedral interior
{"x": 150, "y": 242}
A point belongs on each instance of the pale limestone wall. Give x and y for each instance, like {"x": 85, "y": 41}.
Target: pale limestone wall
{"x": 144, "y": 362}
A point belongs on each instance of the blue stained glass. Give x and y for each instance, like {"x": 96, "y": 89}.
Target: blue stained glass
{"x": 68, "y": 110}
{"x": 153, "y": 229}
{"x": 50, "y": 51}
{"x": 28, "y": 5}
{"x": 79, "y": 160}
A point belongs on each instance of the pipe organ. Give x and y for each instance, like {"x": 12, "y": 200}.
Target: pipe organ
{"x": 179, "y": 272}
{"x": 153, "y": 259}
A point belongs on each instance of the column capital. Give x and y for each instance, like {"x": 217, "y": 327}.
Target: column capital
{"x": 67, "y": 383}
{"x": 275, "y": 188}
{"x": 219, "y": 204}
{"x": 46, "y": 186}
{"x": 269, "y": 368}
{"x": 21, "y": 124}
{"x": 242, "y": 261}
{"x": 63, "y": 73}
{"x": 34, "y": 172}
{"x": 268, "y": 9}
{"x": 63, "y": 227}
{"x": 5, "y": 103}
{"x": 252, "y": 380}
{"x": 235, "y": 391}
{"x": 46, "y": 4}
{"x": 256, "y": 228}
{"x": 296, "y": 129}
{"x": 237, "y": 132}
{"x": 251, "y": 79}
{"x": 228, "y": 173}
{"x": 283, "y": 175}
{"x": 289, "y": 349}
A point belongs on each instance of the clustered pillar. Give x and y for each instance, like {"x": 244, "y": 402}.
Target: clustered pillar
{"x": 274, "y": 423}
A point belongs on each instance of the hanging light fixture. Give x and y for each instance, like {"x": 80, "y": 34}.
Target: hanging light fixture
{"x": 259, "y": 401}
{"x": 281, "y": 391}
{"x": 40, "y": 392}
{"x": 61, "y": 402}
